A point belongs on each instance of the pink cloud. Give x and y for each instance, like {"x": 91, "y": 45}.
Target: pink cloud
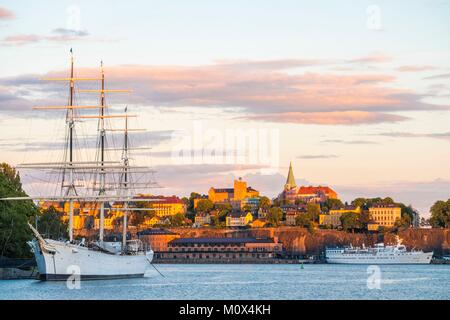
{"x": 6, "y": 14}
{"x": 328, "y": 118}
{"x": 22, "y": 39}
{"x": 415, "y": 68}
{"x": 262, "y": 90}
{"x": 373, "y": 58}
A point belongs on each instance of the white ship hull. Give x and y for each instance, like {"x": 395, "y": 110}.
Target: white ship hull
{"x": 380, "y": 258}
{"x": 58, "y": 260}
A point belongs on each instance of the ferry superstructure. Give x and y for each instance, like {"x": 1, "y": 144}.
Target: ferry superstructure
{"x": 379, "y": 254}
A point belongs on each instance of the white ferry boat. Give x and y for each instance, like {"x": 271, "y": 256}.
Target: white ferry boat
{"x": 380, "y": 254}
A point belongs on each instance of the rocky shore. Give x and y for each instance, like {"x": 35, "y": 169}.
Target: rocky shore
{"x": 300, "y": 241}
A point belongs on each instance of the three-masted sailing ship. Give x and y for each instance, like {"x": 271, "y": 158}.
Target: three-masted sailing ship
{"x": 113, "y": 183}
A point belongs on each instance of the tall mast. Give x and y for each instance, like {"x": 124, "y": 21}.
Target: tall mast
{"x": 102, "y": 155}
{"x": 125, "y": 182}
{"x": 70, "y": 121}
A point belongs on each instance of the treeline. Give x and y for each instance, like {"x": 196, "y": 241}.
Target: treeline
{"x": 16, "y": 214}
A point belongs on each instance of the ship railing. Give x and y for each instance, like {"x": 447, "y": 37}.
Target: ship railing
{"x": 136, "y": 246}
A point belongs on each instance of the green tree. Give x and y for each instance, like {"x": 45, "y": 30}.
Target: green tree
{"x": 50, "y": 224}
{"x": 274, "y": 216}
{"x": 223, "y": 208}
{"x": 404, "y": 222}
{"x": 332, "y": 203}
{"x": 194, "y": 195}
{"x": 440, "y": 214}
{"x": 264, "y": 202}
{"x": 350, "y": 221}
{"x": 177, "y": 220}
{"x": 205, "y": 205}
{"x": 303, "y": 220}
{"x": 14, "y": 215}
{"x": 313, "y": 211}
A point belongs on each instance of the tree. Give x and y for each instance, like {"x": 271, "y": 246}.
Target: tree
{"x": 440, "y": 214}
{"x": 332, "y": 203}
{"x": 364, "y": 203}
{"x": 205, "y": 205}
{"x": 186, "y": 201}
{"x": 264, "y": 203}
{"x": 14, "y": 215}
{"x": 364, "y": 219}
{"x": 223, "y": 208}
{"x": 50, "y": 224}
{"x": 177, "y": 220}
{"x": 138, "y": 217}
{"x": 274, "y": 216}
{"x": 350, "y": 221}
{"x": 194, "y": 195}
{"x": 313, "y": 211}
{"x": 303, "y": 220}
{"x": 404, "y": 222}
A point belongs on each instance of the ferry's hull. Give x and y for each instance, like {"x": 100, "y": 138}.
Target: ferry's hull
{"x": 407, "y": 258}
{"x": 59, "y": 260}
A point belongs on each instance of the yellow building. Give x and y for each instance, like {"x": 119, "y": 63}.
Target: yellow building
{"x": 165, "y": 206}
{"x": 239, "y": 219}
{"x": 333, "y": 218}
{"x": 385, "y": 215}
{"x": 240, "y": 191}
{"x": 202, "y": 218}
{"x": 259, "y": 223}
{"x": 373, "y": 226}
{"x": 345, "y": 209}
{"x": 150, "y": 222}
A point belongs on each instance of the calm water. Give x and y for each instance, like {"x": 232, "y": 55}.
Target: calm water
{"x": 250, "y": 282}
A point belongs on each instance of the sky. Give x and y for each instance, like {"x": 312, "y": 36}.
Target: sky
{"x": 356, "y": 94}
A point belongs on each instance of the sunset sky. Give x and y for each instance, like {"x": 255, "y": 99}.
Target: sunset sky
{"x": 357, "y": 91}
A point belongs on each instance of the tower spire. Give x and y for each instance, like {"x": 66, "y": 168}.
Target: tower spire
{"x": 290, "y": 181}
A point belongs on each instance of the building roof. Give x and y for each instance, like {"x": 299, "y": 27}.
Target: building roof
{"x": 251, "y": 189}
{"x": 161, "y": 199}
{"x": 238, "y": 214}
{"x": 315, "y": 190}
{"x": 155, "y": 231}
{"x": 221, "y": 240}
{"x": 345, "y": 207}
{"x": 385, "y": 205}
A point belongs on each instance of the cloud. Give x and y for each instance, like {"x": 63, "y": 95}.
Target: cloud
{"x": 58, "y": 35}
{"x": 338, "y": 141}
{"x": 22, "y": 39}
{"x": 6, "y": 14}
{"x": 63, "y": 35}
{"x": 328, "y": 118}
{"x": 318, "y": 156}
{"x": 114, "y": 141}
{"x": 415, "y": 68}
{"x": 70, "y": 32}
{"x": 372, "y": 58}
{"x": 12, "y": 100}
{"x": 443, "y": 135}
{"x": 261, "y": 90}
{"x": 438, "y": 76}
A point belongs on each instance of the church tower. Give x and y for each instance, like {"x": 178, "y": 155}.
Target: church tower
{"x": 290, "y": 181}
